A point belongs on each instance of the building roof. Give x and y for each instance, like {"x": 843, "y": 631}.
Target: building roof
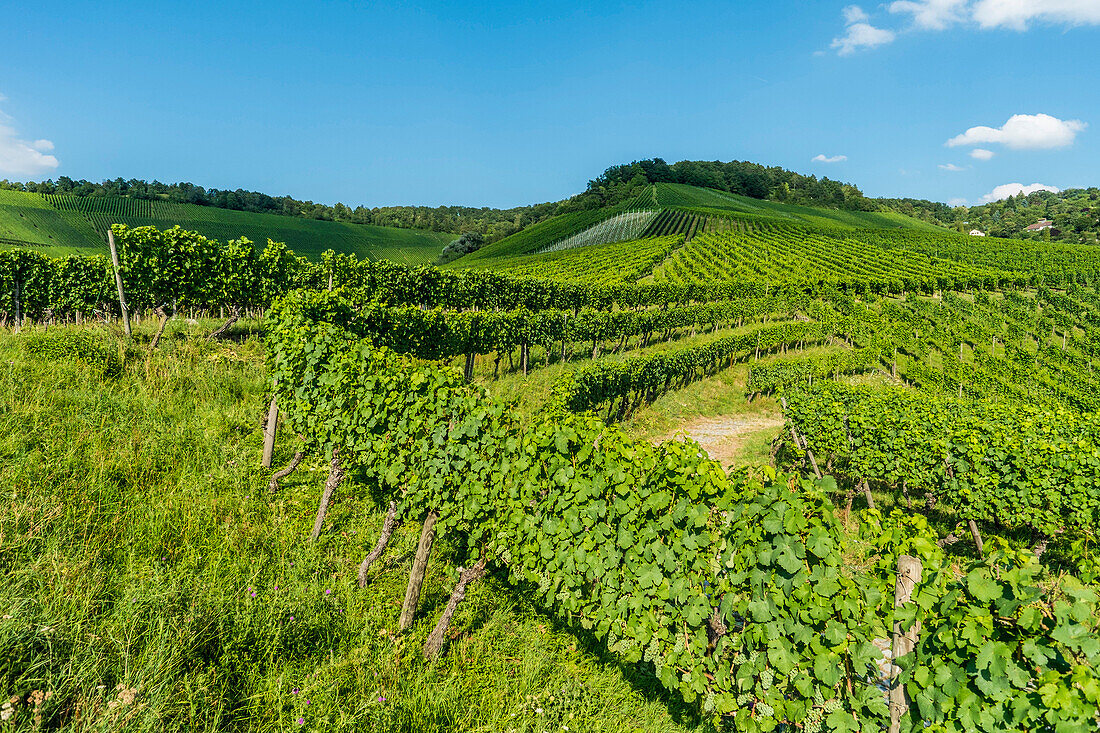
{"x": 1041, "y": 224}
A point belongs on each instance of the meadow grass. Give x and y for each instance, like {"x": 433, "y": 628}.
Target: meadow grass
{"x": 149, "y": 581}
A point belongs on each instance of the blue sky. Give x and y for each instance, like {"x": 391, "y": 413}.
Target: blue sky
{"x": 509, "y": 103}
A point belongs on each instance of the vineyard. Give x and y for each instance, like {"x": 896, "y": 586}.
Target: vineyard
{"x": 478, "y": 430}
{"x": 61, "y": 225}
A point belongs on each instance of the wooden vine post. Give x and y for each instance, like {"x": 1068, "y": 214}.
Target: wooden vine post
{"x": 909, "y": 576}
{"x": 416, "y": 575}
{"x": 118, "y": 283}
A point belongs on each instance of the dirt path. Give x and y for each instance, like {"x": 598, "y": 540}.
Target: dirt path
{"x": 724, "y": 438}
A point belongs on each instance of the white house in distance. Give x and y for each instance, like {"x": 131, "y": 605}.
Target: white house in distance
{"x": 977, "y": 233}
{"x": 1040, "y": 226}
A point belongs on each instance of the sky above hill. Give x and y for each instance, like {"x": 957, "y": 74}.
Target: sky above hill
{"x": 509, "y": 103}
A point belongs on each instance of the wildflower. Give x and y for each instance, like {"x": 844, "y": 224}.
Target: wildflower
{"x": 253, "y": 594}
{"x": 301, "y": 721}
{"x": 295, "y": 691}
{"x": 328, "y": 591}
{"x": 276, "y": 587}
{"x": 381, "y": 698}
{"x": 291, "y": 618}
{"x": 307, "y": 702}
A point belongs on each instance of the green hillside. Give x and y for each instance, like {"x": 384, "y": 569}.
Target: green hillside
{"x": 682, "y": 210}
{"x": 678, "y": 195}
{"x": 62, "y": 225}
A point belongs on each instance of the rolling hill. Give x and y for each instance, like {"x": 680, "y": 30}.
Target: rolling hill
{"x": 60, "y": 225}
{"x": 669, "y": 210}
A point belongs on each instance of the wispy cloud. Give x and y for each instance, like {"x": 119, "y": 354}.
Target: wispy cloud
{"x": 20, "y": 157}
{"x": 933, "y": 15}
{"x": 859, "y": 33}
{"x": 821, "y": 158}
{"x": 1024, "y": 132}
{"x": 981, "y": 154}
{"x": 950, "y": 167}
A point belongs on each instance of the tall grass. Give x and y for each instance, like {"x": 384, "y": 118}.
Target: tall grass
{"x": 148, "y": 580}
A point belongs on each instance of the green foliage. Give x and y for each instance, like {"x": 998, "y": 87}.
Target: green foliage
{"x": 76, "y": 345}
{"x": 1012, "y": 463}
{"x": 734, "y": 589}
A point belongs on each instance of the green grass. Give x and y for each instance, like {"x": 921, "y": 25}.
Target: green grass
{"x": 61, "y": 225}
{"x": 27, "y": 220}
{"x": 135, "y": 526}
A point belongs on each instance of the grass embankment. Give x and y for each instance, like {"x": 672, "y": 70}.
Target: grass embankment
{"x": 149, "y": 581}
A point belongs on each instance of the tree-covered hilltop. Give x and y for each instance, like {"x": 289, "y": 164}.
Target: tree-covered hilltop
{"x": 740, "y": 177}
{"x": 1075, "y": 213}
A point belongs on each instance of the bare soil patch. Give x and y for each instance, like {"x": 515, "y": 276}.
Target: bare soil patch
{"x": 724, "y": 438}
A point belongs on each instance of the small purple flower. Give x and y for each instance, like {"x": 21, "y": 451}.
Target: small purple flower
{"x": 301, "y": 721}
{"x": 276, "y": 587}
{"x": 253, "y": 594}
{"x": 381, "y": 698}
{"x": 307, "y": 702}
{"x": 328, "y": 591}
{"x": 291, "y": 618}
{"x": 295, "y": 691}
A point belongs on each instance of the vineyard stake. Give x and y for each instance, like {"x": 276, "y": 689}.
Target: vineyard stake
{"x": 976, "y": 535}
{"x": 909, "y": 575}
{"x": 416, "y": 575}
{"x": 118, "y": 283}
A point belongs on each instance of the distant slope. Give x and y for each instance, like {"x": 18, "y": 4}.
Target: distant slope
{"x": 678, "y": 195}
{"x": 686, "y": 210}
{"x": 60, "y": 225}
{"x": 541, "y": 236}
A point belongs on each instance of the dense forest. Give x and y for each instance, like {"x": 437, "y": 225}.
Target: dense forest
{"x": 1075, "y": 213}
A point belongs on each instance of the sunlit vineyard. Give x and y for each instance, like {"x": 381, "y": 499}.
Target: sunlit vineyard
{"x": 931, "y": 400}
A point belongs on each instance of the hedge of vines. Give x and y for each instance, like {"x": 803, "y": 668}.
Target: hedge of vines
{"x": 1010, "y": 463}
{"x": 185, "y": 268}
{"x": 644, "y": 377}
{"x": 734, "y": 591}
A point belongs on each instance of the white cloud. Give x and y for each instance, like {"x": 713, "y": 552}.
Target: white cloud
{"x": 1024, "y": 132}
{"x": 956, "y": 202}
{"x": 19, "y": 157}
{"x": 981, "y": 154}
{"x": 861, "y": 35}
{"x": 932, "y": 14}
{"x": 820, "y": 158}
{"x": 1015, "y": 189}
{"x": 950, "y": 167}
{"x": 1018, "y": 14}
{"x": 854, "y": 14}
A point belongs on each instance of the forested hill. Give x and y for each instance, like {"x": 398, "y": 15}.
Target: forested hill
{"x": 738, "y": 177}
{"x": 1075, "y": 213}
{"x": 616, "y": 185}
